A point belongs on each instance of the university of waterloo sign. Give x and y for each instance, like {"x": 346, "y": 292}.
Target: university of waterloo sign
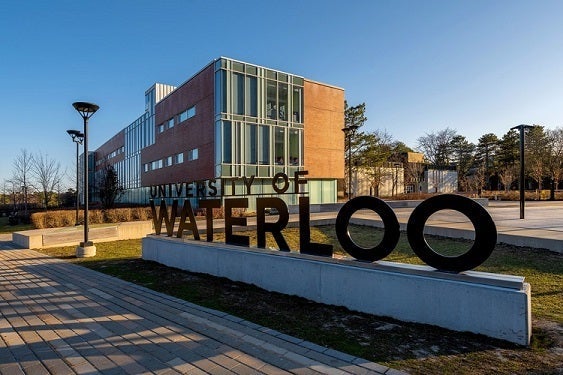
{"x": 213, "y": 194}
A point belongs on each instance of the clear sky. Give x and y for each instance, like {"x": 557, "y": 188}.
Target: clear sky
{"x": 477, "y": 66}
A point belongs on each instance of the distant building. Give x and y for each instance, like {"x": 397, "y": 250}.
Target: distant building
{"x": 443, "y": 180}
{"x": 386, "y": 181}
{"x": 412, "y": 175}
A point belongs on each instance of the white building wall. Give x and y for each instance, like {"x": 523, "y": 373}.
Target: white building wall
{"x": 439, "y": 181}
{"x": 392, "y": 182}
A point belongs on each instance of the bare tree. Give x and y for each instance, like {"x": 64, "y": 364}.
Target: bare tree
{"x": 48, "y": 174}
{"x": 508, "y": 158}
{"x": 413, "y": 175}
{"x": 436, "y": 146}
{"x": 555, "y": 158}
{"x": 536, "y": 154}
{"x": 376, "y": 148}
{"x": 23, "y": 169}
{"x": 507, "y": 174}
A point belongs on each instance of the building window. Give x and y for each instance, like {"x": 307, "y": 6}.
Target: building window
{"x": 294, "y": 147}
{"x": 179, "y": 158}
{"x": 188, "y": 113}
{"x": 271, "y": 100}
{"x": 297, "y": 103}
{"x": 227, "y": 142}
{"x": 251, "y": 96}
{"x": 282, "y": 101}
{"x": 171, "y": 123}
{"x": 193, "y": 154}
{"x": 250, "y": 144}
{"x": 279, "y": 146}
{"x": 237, "y": 86}
{"x": 220, "y": 91}
{"x": 147, "y": 167}
{"x": 168, "y": 161}
{"x": 264, "y": 146}
{"x": 157, "y": 164}
{"x": 160, "y": 128}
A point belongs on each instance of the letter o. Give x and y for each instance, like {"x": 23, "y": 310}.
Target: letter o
{"x": 485, "y": 233}
{"x": 285, "y": 179}
{"x": 390, "y": 222}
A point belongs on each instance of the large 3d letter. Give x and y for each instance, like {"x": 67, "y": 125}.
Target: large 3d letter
{"x": 485, "y": 232}
{"x": 209, "y": 205}
{"x": 163, "y": 214}
{"x": 187, "y": 212}
{"x": 274, "y": 228}
{"x": 390, "y": 237}
{"x": 230, "y": 238}
{"x": 305, "y": 244}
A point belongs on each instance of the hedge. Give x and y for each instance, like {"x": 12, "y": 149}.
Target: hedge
{"x": 66, "y": 218}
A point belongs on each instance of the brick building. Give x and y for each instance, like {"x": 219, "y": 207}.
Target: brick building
{"x": 229, "y": 120}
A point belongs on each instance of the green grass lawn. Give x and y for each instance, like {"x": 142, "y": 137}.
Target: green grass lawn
{"x": 415, "y": 348}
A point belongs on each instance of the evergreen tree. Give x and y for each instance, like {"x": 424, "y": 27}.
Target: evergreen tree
{"x": 463, "y": 156}
{"x": 485, "y": 155}
{"x": 508, "y": 158}
{"x": 109, "y": 188}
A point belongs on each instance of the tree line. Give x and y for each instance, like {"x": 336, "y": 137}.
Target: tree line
{"x": 37, "y": 182}
{"x": 493, "y": 163}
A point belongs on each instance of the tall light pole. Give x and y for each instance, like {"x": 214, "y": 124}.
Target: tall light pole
{"x": 349, "y": 132}
{"x": 522, "y": 129}
{"x": 86, "y": 110}
{"x": 77, "y": 137}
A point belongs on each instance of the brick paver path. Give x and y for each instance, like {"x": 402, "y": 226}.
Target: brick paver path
{"x": 59, "y": 318}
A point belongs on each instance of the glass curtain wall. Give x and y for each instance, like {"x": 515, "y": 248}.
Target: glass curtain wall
{"x": 258, "y": 120}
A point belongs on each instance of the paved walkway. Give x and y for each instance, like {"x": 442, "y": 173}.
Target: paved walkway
{"x": 60, "y": 318}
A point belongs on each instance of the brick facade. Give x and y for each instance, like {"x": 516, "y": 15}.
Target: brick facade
{"x": 196, "y": 132}
{"x": 324, "y": 138}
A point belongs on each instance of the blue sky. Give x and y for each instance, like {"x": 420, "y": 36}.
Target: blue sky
{"x": 420, "y": 66}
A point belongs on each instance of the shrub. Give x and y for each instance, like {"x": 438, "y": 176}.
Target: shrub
{"x": 37, "y": 219}
{"x": 141, "y": 213}
{"x": 95, "y": 217}
{"x": 117, "y": 215}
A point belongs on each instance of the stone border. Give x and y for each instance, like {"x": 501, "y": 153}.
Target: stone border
{"x": 68, "y": 236}
{"x": 495, "y": 305}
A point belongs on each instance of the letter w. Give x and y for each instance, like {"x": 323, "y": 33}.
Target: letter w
{"x": 163, "y": 214}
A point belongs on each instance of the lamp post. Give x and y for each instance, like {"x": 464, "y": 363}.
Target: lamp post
{"x": 522, "y": 129}
{"x": 86, "y": 110}
{"x": 77, "y": 137}
{"x": 349, "y": 132}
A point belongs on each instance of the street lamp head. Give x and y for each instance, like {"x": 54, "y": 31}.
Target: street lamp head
{"x": 76, "y": 135}
{"x": 73, "y": 133}
{"x": 521, "y": 127}
{"x": 85, "y": 109}
{"x": 350, "y": 128}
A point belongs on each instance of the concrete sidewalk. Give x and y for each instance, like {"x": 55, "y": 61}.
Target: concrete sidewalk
{"x": 59, "y": 318}
{"x": 542, "y": 227}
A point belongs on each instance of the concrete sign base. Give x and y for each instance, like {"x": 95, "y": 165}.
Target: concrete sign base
{"x": 494, "y": 305}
